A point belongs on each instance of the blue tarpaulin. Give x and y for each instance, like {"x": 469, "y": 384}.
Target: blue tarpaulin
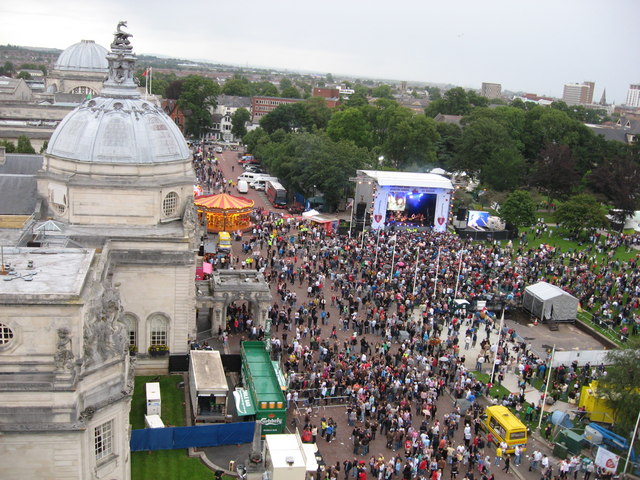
{"x": 171, "y": 438}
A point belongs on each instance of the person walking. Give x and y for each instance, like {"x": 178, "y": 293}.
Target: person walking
{"x": 507, "y": 463}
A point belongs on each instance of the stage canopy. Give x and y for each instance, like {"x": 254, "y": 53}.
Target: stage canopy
{"x": 224, "y": 213}
{"x": 549, "y": 302}
{"x": 408, "y": 179}
{"x": 403, "y": 199}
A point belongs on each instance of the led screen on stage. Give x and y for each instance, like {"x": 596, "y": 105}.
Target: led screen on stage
{"x": 396, "y": 202}
{"x": 477, "y": 218}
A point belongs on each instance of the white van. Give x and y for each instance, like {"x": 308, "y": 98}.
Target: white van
{"x": 261, "y": 183}
{"x": 242, "y": 186}
{"x": 250, "y": 177}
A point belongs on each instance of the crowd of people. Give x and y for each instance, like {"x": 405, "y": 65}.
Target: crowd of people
{"x": 377, "y": 330}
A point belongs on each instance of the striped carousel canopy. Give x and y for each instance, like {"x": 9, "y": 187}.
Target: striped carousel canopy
{"x": 223, "y": 202}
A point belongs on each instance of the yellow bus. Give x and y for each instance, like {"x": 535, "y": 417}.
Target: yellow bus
{"x": 505, "y": 426}
{"x": 224, "y": 241}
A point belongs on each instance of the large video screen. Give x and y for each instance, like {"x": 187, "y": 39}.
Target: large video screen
{"x": 396, "y": 202}
{"x": 477, "y": 218}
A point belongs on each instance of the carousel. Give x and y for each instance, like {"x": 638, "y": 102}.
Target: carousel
{"x": 223, "y": 212}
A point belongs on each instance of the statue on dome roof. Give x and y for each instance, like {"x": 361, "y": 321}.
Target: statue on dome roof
{"x": 121, "y": 39}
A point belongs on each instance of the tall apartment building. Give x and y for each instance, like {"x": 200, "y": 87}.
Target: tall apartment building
{"x": 491, "y": 90}
{"x": 578, "y": 93}
{"x": 633, "y": 96}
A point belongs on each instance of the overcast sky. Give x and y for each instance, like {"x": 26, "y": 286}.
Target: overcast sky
{"x": 526, "y": 45}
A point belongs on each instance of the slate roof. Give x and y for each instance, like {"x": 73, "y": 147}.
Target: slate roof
{"x": 18, "y": 187}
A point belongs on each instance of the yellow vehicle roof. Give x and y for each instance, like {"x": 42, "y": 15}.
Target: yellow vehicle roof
{"x": 504, "y": 415}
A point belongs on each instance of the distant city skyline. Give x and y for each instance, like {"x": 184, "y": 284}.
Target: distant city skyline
{"x": 528, "y": 46}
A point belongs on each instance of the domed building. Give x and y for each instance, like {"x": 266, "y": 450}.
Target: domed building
{"x": 80, "y": 69}
{"x": 116, "y": 276}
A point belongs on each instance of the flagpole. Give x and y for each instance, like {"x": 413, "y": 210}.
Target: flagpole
{"x": 455, "y": 293}
{"x": 633, "y": 438}
{"x": 435, "y": 285}
{"x": 415, "y": 276}
{"x": 546, "y": 387}
{"x": 495, "y": 356}
{"x": 150, "y": 80}
{"x": 393, "y": 253}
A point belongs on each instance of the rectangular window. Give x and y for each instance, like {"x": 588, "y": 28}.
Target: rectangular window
{"x": 159, "y": 336}
{"x": 103, "y": 440}
{"x": 133, "y": 340}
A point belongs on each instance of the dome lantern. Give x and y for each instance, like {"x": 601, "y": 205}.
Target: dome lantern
{"x": 120, "y": 82}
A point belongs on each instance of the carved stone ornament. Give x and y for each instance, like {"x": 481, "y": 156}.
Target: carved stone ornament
{"x": 63, "y": 357}
{"x": 120, "y": 38}
{"x": 87, "y": 414}
{"x": 104, "y": 333}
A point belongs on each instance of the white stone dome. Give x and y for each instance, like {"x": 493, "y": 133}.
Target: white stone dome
{"x": 118, "y": 131}
{"x": 86, "y": 56}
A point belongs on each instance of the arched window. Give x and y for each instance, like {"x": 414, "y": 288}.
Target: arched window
{"x": 158, "y": 330}
{"x": 131, "y": 324}
{"x": 84, "y": 91}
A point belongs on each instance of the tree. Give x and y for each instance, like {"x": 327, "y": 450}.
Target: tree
{"x": 24, "y": 145}
{"x": 44, "y": 147}
{"x": 239, "y": 121}
{"x": 174, "y": 89}
{"x": 237, "y": 85}
{"x": 555, "y": 171}
{"x": 620, "y": 386}
{"x": 351, "y": 125}
{"x": 503, "y": 170}
{"x": 290, "y": 92}
{"x": 265, "y": 89}
{"x": 9, "y": 146}
{"x": 456, "y": 101}
{"x": 382, "y": 91}
{"x": 480, "y": 141}
{"x": 319, "y": 112}
{"x": 288, "y": 117}
{"x": 447, "y": 145}
{"x": 8, "y": 69}
{"x": 581, "y": 212}
{"x": 618, "y": 179}
{"x": 24, "y": 75}
{"x": 198, "y": 95}
{"x": 518, "y": 210}
{"x": 434, "y": 93}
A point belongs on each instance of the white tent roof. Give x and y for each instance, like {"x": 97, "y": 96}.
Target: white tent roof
{"x": 408, "y": 179}
{"x": 545, "y": 291}
{"x": 206, "y": 366}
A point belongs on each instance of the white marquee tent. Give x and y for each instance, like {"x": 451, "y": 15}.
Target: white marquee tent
{"x": 549, "y": 302}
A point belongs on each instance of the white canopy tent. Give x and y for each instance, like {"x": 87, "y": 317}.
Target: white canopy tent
{"x": 549, "y": 302}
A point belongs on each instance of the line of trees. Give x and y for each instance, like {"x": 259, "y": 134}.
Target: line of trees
{"x": 508, "y": 147}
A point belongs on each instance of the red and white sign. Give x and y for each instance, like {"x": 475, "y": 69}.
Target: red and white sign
{"x": 606, "y": 459}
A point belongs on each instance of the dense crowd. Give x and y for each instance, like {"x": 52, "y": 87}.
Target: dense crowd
{"x": 403, "y": 341}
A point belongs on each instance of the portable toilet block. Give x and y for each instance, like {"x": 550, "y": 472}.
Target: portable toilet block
{"x": 153, "y": 398}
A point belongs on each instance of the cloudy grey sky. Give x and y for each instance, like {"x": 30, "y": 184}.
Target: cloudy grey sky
{"x": 526, "y": 45}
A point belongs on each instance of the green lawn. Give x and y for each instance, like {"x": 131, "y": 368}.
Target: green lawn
{"x": 496, "y": 390}
{"x": 163, "y": 464}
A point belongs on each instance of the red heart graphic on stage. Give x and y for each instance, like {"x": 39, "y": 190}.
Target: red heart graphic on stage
{"x": 377, "y": 218}
{"x": 440, "y": 220}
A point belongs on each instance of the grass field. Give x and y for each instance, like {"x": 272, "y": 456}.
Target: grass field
{"x": 560, "y": 240}
{"x": 163, "y": 464}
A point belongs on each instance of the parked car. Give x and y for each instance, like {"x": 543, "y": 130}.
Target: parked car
{"x": 254, "y": 168}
